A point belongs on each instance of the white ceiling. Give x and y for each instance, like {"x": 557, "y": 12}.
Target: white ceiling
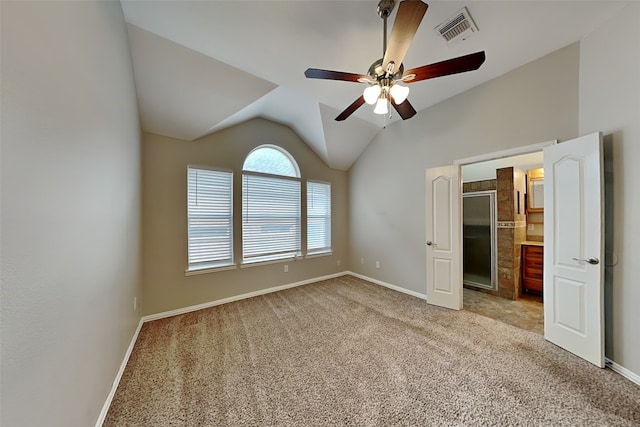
{"x": 201, "y": 66}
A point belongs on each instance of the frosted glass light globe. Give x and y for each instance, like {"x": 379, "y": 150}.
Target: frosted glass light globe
{"x": 399, "y": 93}
{"x": 371, "y": 94}
{"x": 381, "y": 106}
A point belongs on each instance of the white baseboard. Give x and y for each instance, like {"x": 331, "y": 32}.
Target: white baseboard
{"x": 388, "y": 285}
{"x": 631, "y": 376}
{"x": 116, "y": 381}
{"x": 144, "y": 319}
{"x": 178, "y": 311}
{"x": 103, "y": 414}
{"x": 197, "y": 307}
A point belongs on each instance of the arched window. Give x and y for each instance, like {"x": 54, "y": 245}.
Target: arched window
{"x": 270, "y": 205}
{"x": 272, "y": 160}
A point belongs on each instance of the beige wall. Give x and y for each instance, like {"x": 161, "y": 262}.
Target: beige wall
{"x": 610, "y": 102}
{"x": 535, "y": 103}
{"x": 70, "y": 165}
{"x": 165, "y": 163}
{"x": 70, "y": 209}
{"x": 583, "y": 88}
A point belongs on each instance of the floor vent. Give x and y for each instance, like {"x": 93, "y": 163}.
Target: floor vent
{"x": 458, "y": 28}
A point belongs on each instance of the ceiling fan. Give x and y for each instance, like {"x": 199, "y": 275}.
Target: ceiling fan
{"x": 386, "y": 74}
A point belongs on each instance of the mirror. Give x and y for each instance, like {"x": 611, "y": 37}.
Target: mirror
{"x": 537, "y": 194}
{"x": 535, "y": 190}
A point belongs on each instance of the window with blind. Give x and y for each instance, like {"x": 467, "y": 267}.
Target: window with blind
{"x": 318, "y": 217}
{"x": 209, "y": 218}
{"x": 271, "y": 221}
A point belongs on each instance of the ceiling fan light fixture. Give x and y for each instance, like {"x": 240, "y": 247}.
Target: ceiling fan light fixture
{"x": 399, "y": 93}
{"x": 384, "y": 74}
{"x": 371, "y": 94}
{"x": 381, "y": 106}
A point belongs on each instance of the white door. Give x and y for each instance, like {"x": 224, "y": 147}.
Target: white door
{"x": 573, "y": 249}
{"x": 443, "y": 237}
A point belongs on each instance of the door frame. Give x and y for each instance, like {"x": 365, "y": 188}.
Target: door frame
{"x": 580, "y": 343}
{"x": 511, "y": 152}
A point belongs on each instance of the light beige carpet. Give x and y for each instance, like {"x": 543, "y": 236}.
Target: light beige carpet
{"x": 347, "y": 352}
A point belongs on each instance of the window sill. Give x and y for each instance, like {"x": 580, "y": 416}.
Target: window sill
{"x": 206, "y": 270}
{"x": 247, "y": 264}
{"x": 319, "y": 254}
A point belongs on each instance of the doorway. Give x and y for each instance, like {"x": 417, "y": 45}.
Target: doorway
{"x": 511, "y": 303}
{"x": 573, "y": 273}
{"x": 524, "y": 313}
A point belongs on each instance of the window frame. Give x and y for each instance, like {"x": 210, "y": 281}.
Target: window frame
{"x": 270, "y": 254}
{"x": 325, "y": 250}
{"x": 282, "y": 151}
{"x": 211, "y": 265}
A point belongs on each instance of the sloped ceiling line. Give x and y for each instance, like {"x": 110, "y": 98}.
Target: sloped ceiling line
{"x": 201, "y": 66}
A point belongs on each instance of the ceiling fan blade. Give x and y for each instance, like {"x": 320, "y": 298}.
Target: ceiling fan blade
{"x": 450, "y": 66}
{"x": 408, "y": 18}
{"x": 350, "y": 109}
{"x": 315, "y": 73}
{"x": 405, "y": 109}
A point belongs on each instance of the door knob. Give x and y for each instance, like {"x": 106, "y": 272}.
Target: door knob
{"x": 591, "y": 260}
{"x": 429, "y": 243}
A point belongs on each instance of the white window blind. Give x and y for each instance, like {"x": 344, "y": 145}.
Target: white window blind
{"x": 270, "y": 217}
{"x": 209, "y": 217}
{"x": 318, "y": 217}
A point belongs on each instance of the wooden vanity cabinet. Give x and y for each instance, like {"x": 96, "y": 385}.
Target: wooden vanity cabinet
{"x": 532, "y": 268}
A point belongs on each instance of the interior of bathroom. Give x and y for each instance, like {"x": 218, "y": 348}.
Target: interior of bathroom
{"x": 503, "y": 232}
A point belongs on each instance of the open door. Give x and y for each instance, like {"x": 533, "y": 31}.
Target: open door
{"x": 444, "y": 287}
{"x": 573, "y": 250}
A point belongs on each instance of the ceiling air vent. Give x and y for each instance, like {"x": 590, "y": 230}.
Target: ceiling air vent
{"x": 458, "y": 28}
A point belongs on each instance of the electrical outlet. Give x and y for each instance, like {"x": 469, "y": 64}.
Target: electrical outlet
{"x": 338, "y": 262}
{"x": 286, "y": 268}
{"x": 531, "y": 227}
{"x": 361, "y": 260}
{"x": 135, "y": 303}
{"x": 377, "y": 264}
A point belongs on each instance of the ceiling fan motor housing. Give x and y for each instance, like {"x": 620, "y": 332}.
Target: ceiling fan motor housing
{"x": 385, "y": 73}
{"x": 377, "y": 72}
{"x": 385, "y": 7}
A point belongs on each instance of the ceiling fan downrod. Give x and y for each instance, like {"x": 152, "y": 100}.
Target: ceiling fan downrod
{"x": 385, "y": 74}
{"x": 385, "y": 7}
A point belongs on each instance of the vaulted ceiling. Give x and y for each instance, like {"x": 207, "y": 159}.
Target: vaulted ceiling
{"x": 202, "y": 66}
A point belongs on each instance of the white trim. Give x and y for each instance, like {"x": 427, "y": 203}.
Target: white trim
{"x": 271, "y": 175}
{"x": 107, "y": 404}
{"x": 510, "y": 152}
{"x": 197, "y": 307}
{"x": 206, "y": 270}
{"x": 631, "y": 376}
{"x": 209, "y": 168}
{"x": 258, "y": 263}
{"x": 388, "y": 285}
{"x": 116, "y": 381}
{"x": 318, "y": 254}
{"x": 282, "y": 151}
{"x": 144, "y": 319}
